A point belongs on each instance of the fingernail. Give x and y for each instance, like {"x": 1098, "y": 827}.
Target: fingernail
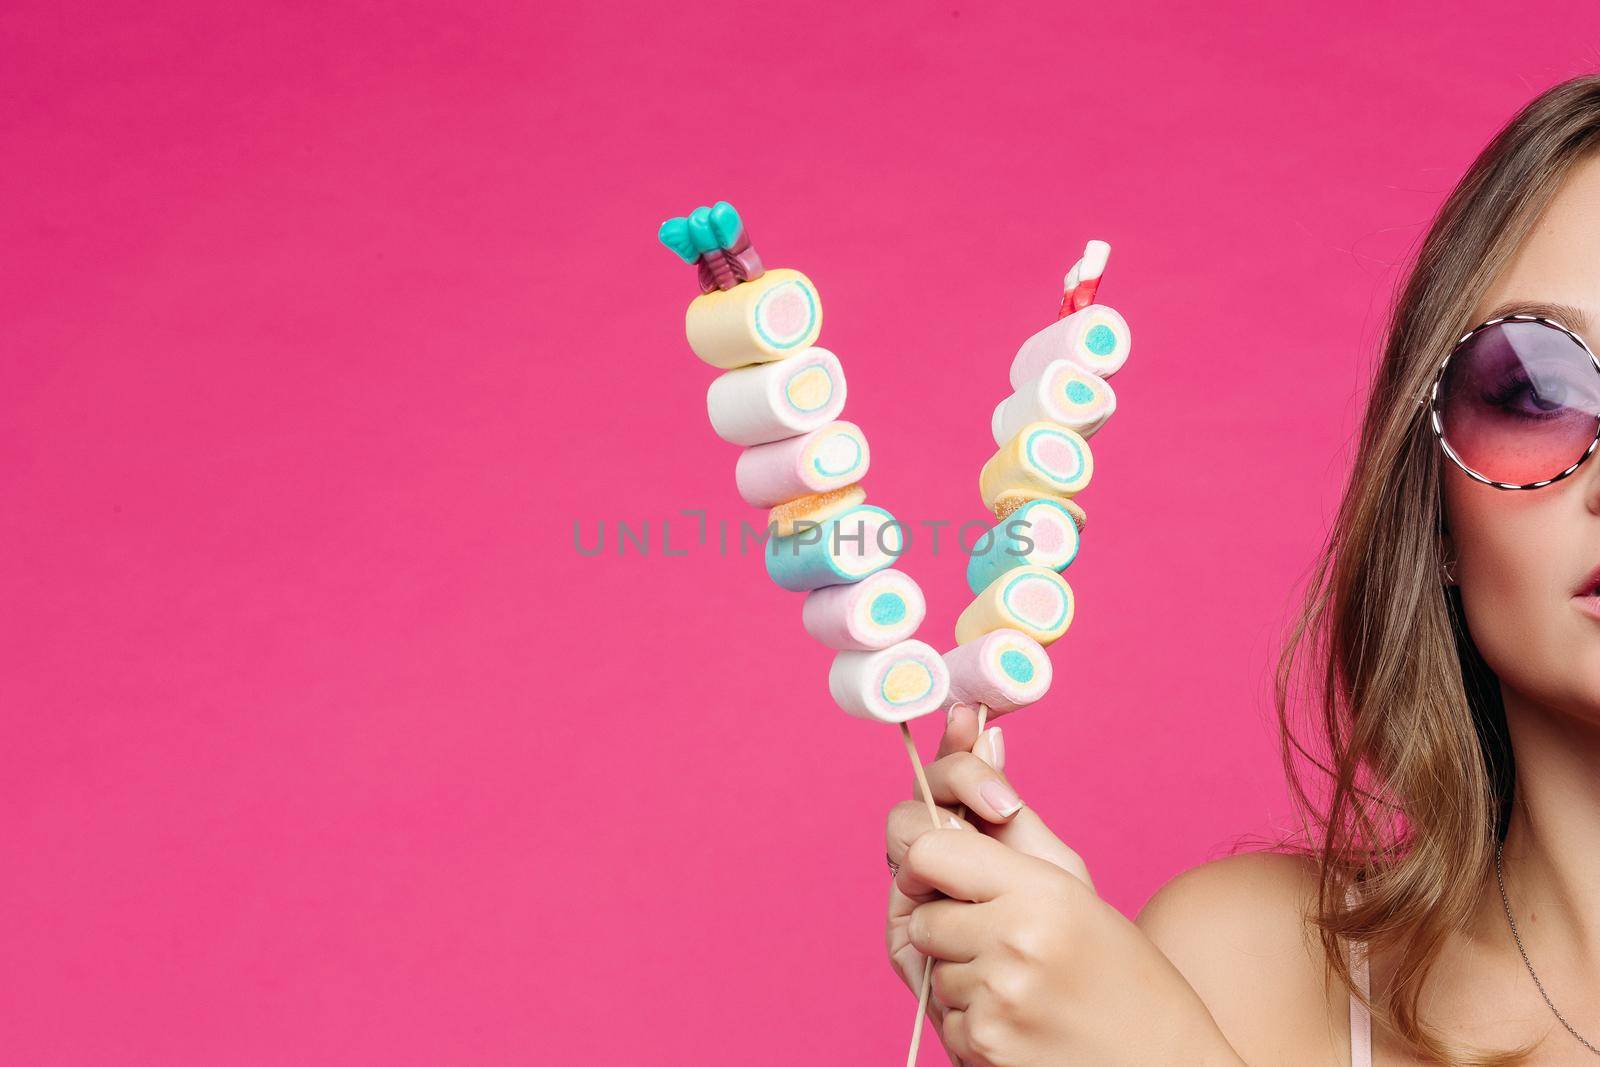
{"x": 955, "y": 823}
{"x": 999, "y": 796}
{"x": 997, "y": 748}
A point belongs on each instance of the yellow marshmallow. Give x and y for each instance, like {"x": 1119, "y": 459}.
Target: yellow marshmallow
{"x": 1035, "y": 600}
{"x": 772, "y": 317}
{"x": 1043, "y": 459}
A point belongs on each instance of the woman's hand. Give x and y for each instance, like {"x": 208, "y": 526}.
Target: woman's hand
{"x": 1031, "y": 967}
{"x": 967, "y": 771}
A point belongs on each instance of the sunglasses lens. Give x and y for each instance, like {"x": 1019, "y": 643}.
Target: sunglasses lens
{"x": 1519, "y": 402}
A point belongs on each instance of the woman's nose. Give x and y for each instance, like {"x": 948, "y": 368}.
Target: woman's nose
{"x": 1589, "y": 476}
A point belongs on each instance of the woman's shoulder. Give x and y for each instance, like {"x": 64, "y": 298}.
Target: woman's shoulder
{"x": 1237, "y": 928}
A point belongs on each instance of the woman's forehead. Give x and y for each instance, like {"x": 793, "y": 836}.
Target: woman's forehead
{"x": 1558, "y": 262}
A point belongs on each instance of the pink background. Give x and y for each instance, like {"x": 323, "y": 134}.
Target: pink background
{"x": 321, "y": 328}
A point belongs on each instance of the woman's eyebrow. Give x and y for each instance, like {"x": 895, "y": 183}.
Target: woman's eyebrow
{"x": 1567, "y": 315}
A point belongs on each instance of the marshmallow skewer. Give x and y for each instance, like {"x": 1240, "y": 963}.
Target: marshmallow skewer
{"x": 1022, "y": 604}
{"x": 781, "y": 397}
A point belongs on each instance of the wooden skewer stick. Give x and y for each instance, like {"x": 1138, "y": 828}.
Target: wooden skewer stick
{"x": 922, "y": 777}
{"x": 933, "y": 812}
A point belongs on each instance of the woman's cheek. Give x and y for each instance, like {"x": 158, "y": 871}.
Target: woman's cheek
{"x": 1489, "y": 566}
{"x": 1508, "y": 562}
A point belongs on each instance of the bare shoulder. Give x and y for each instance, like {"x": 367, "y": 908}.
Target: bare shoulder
{"x": 1253, "y": 901}
{"x": 1237, "y": 929}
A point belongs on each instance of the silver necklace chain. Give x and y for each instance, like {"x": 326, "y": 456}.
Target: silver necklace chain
{"x": 1500, "y": 878}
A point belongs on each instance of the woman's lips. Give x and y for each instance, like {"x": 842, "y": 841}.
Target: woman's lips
{"x": 1590, "y": 586}
{"x": 1588, "y": 603}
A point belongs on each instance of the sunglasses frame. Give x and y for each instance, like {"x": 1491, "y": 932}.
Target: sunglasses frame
{"x": 1438, "y": 425}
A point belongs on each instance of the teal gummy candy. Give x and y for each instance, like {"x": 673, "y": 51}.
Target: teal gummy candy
{"x": 706, "y": 229}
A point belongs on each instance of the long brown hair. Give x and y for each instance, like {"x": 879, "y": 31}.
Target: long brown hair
{"x": 1410, "y": 765}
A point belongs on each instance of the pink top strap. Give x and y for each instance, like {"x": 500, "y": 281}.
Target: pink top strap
{"x": 1360, "y": 1017}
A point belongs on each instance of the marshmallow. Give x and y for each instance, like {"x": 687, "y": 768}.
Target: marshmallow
{"x": 755, "y": 405}
{"x": 894, "y": 684}
{"x": 794, "y": 516}
{"x": 829, "y": 458}
{"x": 1039, "y": 533}
{"x": 771, "y": 317}
{"x": 1064, "y": 394}
{"x": 1042, "y": 459}
{"x": 1008, "y": 502}
{"x": 873, "y": 613}
{"x": 1096, "y": 339}
{"x": 846, "y": 548}
{"x": 1003, "y": 670}
{"x": 1035, "y": 600}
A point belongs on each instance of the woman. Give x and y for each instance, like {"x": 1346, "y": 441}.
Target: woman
{"x": 1445, "y": 904}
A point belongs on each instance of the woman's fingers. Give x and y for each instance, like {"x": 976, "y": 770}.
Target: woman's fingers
{"x": 936, "y": 1014}
{"x": 991, "y": 749}
{"x": 960, "y": 730}
{"x": 961, "y": 734}
{"x": 908, "y": 820}
{"x": 967, "y": 769}
{"x": 953, "y": 1030}
{"x": 964, "y": 866}
{"x": 905, "y": 959}
{"x": 954, "y": 985}
{"x": 1028, "y": 834}
{"x": 948, "y": 930}
{"x": 1023, "y": 830}
{"x": 964, "y": 778}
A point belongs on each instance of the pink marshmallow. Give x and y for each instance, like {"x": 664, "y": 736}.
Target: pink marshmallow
{"x": 876, "y": 612}
{"x": 817, "y": 462}
{"x": 1096, "y": 339}
{"x": 1003, "y": 670}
